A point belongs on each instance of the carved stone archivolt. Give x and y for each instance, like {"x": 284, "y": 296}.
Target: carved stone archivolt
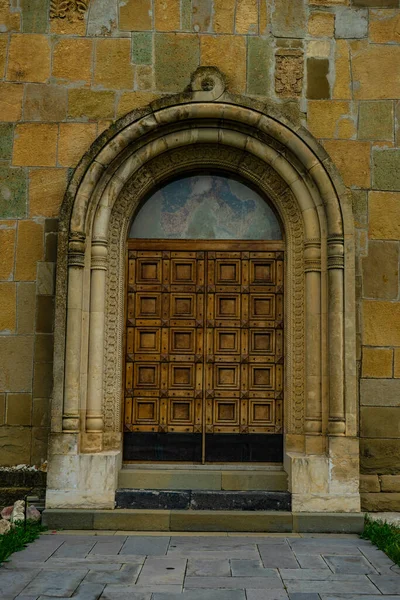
{"x": 62, "y": 9}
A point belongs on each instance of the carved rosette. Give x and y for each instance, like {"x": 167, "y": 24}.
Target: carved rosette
{"x": 68, "y": 9}
{"x": 289, "y": 72}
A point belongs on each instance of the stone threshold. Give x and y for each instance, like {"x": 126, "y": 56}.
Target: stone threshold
{"x": 207, "y": 467}
{"x": 203, "y": 520}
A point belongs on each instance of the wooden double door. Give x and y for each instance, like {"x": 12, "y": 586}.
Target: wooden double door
{"x": 204, "y": 351}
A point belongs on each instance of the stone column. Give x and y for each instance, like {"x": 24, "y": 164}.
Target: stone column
{"x": 76, "y": 257}
{"x": 312, "y": 261}
{"x": 337, "y": 425}
{"x": 94, "y": 408}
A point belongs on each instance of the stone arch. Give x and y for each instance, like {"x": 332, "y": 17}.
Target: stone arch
{"x": 203, "y": 127}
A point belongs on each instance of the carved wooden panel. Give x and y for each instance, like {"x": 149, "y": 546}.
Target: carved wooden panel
{"x": 204, "y": 338}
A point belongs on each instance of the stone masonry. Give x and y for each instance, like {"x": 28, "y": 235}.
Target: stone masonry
{"x": 69, "y": 70}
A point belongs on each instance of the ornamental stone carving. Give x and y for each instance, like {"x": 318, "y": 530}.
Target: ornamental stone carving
{"x": 289, "y": 72}
{"x": 62, "y": 9}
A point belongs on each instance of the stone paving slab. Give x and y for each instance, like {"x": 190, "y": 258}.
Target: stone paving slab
{"x": 208, "y": 568}
{"x": 203, "y": 595}
{"x": 235, "y": 583}
{"x": 361, "y": 585}
{"x": 56, "y": 583}
{"x": 349, "y": 564}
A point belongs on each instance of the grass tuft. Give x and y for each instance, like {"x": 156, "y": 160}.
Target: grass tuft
{"x": 385, "y": 536}
{"x": 18, "y": 537}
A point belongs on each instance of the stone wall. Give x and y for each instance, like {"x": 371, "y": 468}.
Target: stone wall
{"x": 68, "y": 70}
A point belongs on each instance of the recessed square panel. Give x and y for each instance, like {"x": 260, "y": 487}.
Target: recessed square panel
{"x": 227, "y": 306}
{"x": 226, "y": 412}
{"x": 262, "y": 341}
{"x": 227, "y": 341}
{"x": 146, "y": 375}
{"x": 261, "y": 377}
{"x": 183, "y": 271}
{"x": 180, "y": 412}
{"x": 262, "y": 307}
{"x": 261, "y": 412}
{"x": 262, "y": 272}
{"x": 226, "y": 376}
{"x": 227, "y": 272}
{"x": 148, "y": 306}
{"x": 147, "y": 340}
{"x": 145, "y": 410}
{"x": 181, "y": 375}
{"x": 182, "y": 340}
{"x": 183, "y": 306}
{"x": 148, "y": 270}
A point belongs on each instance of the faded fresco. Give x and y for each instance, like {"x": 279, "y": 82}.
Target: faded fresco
{"x": 206, "y": 207}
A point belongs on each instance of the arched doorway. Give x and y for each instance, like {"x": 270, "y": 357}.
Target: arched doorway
{"x": 204, "y": 325}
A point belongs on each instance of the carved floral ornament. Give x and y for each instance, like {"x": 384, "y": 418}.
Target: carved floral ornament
{"x": 289, "y": 73}
{"x": 62, "y": 9}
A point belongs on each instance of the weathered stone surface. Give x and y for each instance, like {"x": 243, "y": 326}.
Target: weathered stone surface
{"x": 351, "y": 23}
{"x": 381, "y": 323}
{"x": 390, "y": 483}
{"x": 8, "y": 307}
{"x": 373, "y": 68}
{"x": 289, "y": 72}
{"x": 321, "y": 24}
{"x": 142, "y": 48}
{"x": 369, "y": 483}
{"x": 224, "y": 16}
{"x": 3, "y": 53}
{"x": 7, "y": 245}
{"x": 383, "y": 392}
{"x": 39, "y": 445}
{"x": 360, "y": 207}
{"x": 382, "y": 502}
{"x": 260, "y": 61}
{"x": 45, "y": 102}
{"x": 135, "y": 15}
{"x": 75, "y": 139}
{"x": 46, "y": 191}
{"x": 29, "y": 58}
{"x": 384, "y": 215}
{"x": 289, "y": 19}
{"x": 176, "y": 57}
{"x": 386, "y": 169}
{"x": 167, "y": 15}
{"x": 10, "y": 21}
{"x": 144, "y": 77}
{"x": 377, "y": 3}
{"x": 130, "y": 100}
{"x": 324, "y": 117}
{"x": 44, "y": 315}
{"x": 41, "y": 412}
{"x": 11, "y": 95}
{"x": 29, "y": 250}
{"x": 90, "y": 104}
{"x": 113, "y": 68}
{"x": 377, "y": 362}
{"x": 229, "y": 55}
{"x": 6, "y": 140}
{"x": 42, "y": 380}
{"x": 376, "y": 121}
{"x": 246, "y": 17}
{"x": 384, "y": 26}
{"x": 26, "y": 302}
{"x": 103, "y": 17}
{"x": 317, "y": 78}
{"x": 72, "y": 59}
{"x": 16, "y": 355}
{"x": 380, "y": 422}
{"x": 396, "y": 369}
{"x": 353, "y": 161}
{"x": 12, "y": 192}
{"x": 34, "y": 16}
{"x": 377, "y": 455}
{"x": 342, "y": 84}
{"x": 19, "y": 409}
{"x": 43, "y": 348}
{"x": 35, "y": 144}
{"x": 381, "y": 270}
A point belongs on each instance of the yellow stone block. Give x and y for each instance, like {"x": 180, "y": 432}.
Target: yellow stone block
{"x": 346, "y": 129}
{"x": 35, "y": 144}
{"x": 246, "y": 16}
{"x": 384, "y": 26}
{"x": 321, "y": 24}
{"x": 71, "y": 26}
{"x": 130, "y": 100}
{"x": 11, "y": 95}
{"x": 353, "y": 161}
{"x": 329, "y": 2}
{"x": 397, "y": 363}
{"x": 10, "y": 21}
{"x": 342, "y": 85}
{"x": 7, "y": 246}
{"x": 144, "y": 77}
{"x": 29, "y": 58}
{"x": 377, "y": 362}
{"x": 323, "y": 117}
{"x": 224, "y": 16}
{"x": 167, "y": 15}
{"x": 376, "y": 73}
{"x": 113, "y": 64}
{"x": 135, "y": 15}
{"x": 8, "y": 303}
{"x": 384, "y": 215}
{"x": 29, "y": 250}
{"x": 3, "y": 53}
{"x": 381, "y": 323}
{"x": 75, "y": 139}
{"x": 72, "y": 59}
{"x": 46, "y": 191}
{"x": 19, "y": 409}
{"x": 2, "y": 408}
{"x": 264, "y": 16}
{"x": 228, "y": 54}
{"x": 90, "y": 104}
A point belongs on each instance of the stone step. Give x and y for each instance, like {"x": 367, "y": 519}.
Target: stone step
{"x": 202, "y": 520}
{"x": 202, "y": 500}
{"x": 273, "y": 480}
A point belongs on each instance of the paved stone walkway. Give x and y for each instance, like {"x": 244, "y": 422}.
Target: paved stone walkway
{"x": 117, "y": 566}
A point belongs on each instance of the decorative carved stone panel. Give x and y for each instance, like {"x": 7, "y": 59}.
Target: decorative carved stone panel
{"x": 289, "y": 72}
{"x": 61, "y": 9}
